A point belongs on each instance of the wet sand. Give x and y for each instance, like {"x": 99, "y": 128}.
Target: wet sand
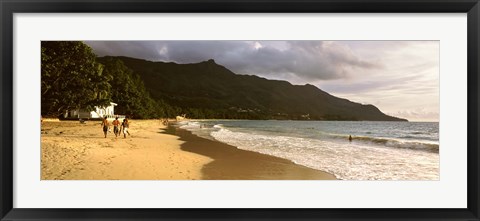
{"x": 231, "y": 163}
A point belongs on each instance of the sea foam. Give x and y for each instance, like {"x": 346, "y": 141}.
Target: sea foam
{"x": 365, "y": 158}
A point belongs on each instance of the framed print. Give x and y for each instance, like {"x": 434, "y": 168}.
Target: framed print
{"x": 239, "y": 110}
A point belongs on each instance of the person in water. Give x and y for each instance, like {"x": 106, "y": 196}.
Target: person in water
{"x": 105, "y": 126}
{"x": 116, "y": 124}
{"x": 350, "y": 138}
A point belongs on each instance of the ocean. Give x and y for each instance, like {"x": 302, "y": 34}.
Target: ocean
{"x": 378, "y": 150}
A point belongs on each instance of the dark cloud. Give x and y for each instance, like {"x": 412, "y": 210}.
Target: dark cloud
{"x": 307, "y": 60}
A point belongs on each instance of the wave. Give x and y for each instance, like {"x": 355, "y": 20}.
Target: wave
{"x": 189, "y": 124}
{"x": 418, "y": 132}
{"x": 383, "y": 142}
{"x": 401, "y": 144}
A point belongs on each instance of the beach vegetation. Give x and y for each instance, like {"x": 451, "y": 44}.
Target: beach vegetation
{"x": 71, "y": 78}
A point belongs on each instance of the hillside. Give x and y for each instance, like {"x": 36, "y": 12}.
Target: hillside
{"x": 209, "y": 90}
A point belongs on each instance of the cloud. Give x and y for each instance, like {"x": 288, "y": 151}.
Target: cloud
{"x": 308, "y": 60}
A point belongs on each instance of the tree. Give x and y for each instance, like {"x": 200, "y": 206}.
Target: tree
{"x": 129, "y": 92}
{"x": 71, "y": 78}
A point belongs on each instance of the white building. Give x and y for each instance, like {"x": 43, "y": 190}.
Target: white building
{"x": 98, "y": 112}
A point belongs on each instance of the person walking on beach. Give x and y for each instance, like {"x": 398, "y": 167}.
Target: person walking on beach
{"x": 105, "y": 126}
{"x": 116, "y": 124}
{"x": 124, "y": 128}
{"x": 350, "y": 138}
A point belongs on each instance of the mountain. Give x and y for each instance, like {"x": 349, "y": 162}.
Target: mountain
{"x": 209, "y": 90}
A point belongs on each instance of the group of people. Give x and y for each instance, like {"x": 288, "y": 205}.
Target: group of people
{"x": 117, "y": 127}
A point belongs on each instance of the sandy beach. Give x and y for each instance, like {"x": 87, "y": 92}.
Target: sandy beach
{"x": 75, "y": 151}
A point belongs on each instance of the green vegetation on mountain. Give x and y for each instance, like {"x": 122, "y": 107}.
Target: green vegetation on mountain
{"x": 209, "y": 90}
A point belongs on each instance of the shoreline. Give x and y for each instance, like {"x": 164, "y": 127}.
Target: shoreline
{"x": 231, "y": 163}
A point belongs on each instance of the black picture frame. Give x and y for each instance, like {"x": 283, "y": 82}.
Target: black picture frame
{"x": 9, "y": 7}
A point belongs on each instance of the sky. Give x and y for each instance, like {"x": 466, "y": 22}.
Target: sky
{"x": 401, "y": 78}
